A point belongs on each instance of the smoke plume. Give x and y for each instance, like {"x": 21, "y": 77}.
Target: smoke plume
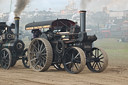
{"x": 84, "y": 3}
{"x": 20, "y": 6}
{"x": 97, "y": 5}
{"x": 1, "y": 1}
{"x": 10, "y": 19}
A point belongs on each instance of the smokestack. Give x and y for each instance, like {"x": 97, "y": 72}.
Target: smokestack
{"x": 83, "y": 20}
{"x": 17, "y": 27}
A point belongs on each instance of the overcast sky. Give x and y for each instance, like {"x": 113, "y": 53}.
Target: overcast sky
{"x": 56, "y": 5}
{"x": 35, "y": 4}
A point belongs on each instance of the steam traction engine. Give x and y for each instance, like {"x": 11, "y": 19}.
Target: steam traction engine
{"x": 65, "y": 45}
{"x": 11, "y": 48}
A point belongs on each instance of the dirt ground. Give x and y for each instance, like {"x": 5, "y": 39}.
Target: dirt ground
{"x": 18, "y": 75}
{"x": 115, "y": 74}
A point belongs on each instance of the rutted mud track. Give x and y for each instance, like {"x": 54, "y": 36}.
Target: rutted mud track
{"x": 18, "y": 75}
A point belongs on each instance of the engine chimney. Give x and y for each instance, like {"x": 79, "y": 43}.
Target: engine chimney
{"x": 83, "y": 21}
{"x": 17, "y": 27}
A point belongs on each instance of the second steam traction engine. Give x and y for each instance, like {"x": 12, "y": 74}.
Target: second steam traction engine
{"x": 65, "y": 45}
{"x": 11, "y": 48}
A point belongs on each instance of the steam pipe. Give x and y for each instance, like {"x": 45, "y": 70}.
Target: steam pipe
{"x": 83, "y": 21}
{"x": 17, "y": 27}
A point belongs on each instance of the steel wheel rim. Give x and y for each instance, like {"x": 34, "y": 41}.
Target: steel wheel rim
{"x": 73, "y": 62}
{"x": 37, "y": 51}
{"x": 98, "y": 61}
{"x": 40, "y": 54}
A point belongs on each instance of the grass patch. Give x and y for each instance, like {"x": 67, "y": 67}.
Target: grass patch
{"x": 117, "y": 51}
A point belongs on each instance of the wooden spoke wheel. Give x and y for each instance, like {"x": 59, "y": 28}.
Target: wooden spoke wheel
{"x": 25, "y": 60}
{"x": 74, "y": 60}
{"x": 98, "y": 61}
{"x": 40, "y": 54}
{"x": 6, "y": 58}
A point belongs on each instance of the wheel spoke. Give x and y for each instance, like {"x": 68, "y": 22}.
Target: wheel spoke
{"x": 33, "y": 59}
{"x": 101, "y": 61}
{"x": 43, "y": 58}
{"x": 34, "y": 46}
{"x": 68, "y": 63}
{"x": 41, "y": 47}
{"x": 101, "y": 58}
{"x": 33, "y": 52}
{"x": 43, "y": 50}
{"x": 99, "y": 65}
{"x": 77, "y": 61}
{"x": 6, "y": 56}
{"x": 38, "y": 45}
{"x": 4, "y": 53}
{"x": 94, "y": 65}
{"x": 43, "y": 54}
{"x": 76, "y": 66}
{"x": 100, "y": 55}
{"x": 43, "y": 63}
{"x": 95, "y": 54}
{"x": 36, "y": 64}
{"x": 40, "y": 62}
{"x": 77, "y": 55}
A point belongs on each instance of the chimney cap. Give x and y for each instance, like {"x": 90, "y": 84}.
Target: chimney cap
{"x": 82, "y": 11}
{"x": 16, "y": 18}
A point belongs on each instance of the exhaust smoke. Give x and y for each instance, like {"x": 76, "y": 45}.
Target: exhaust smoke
{"x": 20, "y": 6}
{"x": 10, "y": 19}
{"x": 97, "y": 5}
{"x": 0, "y": 0}
{"x": 84, "y": 3}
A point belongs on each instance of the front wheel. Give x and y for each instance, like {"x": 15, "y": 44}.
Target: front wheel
{"x": 97, "y": 61}
{"x": 74, "y": 60}
{"x": 25, "y": 60}
{"x": 6, "y": 58}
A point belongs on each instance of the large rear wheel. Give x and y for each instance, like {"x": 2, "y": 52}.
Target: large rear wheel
{"x": 98, "y": 60}
{"x": 74, "y": 60}
{"x": 40, "y": 54}
{"x": 6, "y": 58}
